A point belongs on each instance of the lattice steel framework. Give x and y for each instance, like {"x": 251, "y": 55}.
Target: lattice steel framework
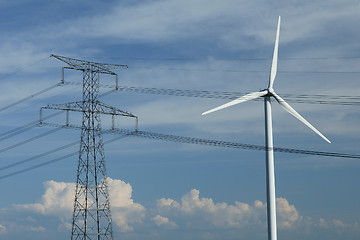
{"x": 91, "y": 215}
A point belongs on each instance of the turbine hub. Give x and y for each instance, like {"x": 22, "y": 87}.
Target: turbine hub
{"x": 270, "y": 91}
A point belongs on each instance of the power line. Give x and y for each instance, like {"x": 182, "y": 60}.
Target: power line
{"x": 38, "y": 165}
{"x": 38, "y": 156}
{"x": 29, "y": 97}
{"x": 220, "y": 59}
{"x": 303, "y": 98}
{"x": 325, "y": 99}
{"x": 181, "y": 139}
{"x": 34, "y": 103}
{"x": 16, "y": 131}
{"x": 209, "y": 142}
{"x": 237, "y": 71}
{"x": 13, "y": 132}
{"x": 23, "y": 68}
{"x": 171, "y": 138}
{"x": 29, "y": 140}
{"x": 50, "y": 161}
{"x": 341, "y": 100}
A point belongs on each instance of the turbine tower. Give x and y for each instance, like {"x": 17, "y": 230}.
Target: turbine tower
{"x": 267, "y": 94}
{"x": 91, "y": 215}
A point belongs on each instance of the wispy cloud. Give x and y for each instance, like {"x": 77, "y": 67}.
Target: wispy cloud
{"x": 2, "y": 229}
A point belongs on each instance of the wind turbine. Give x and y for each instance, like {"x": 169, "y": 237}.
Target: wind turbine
{"x": 267, "y": 94}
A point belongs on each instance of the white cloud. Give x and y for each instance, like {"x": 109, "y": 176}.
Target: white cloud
{"x": 164, "y": 222}
{"x": 35, "y": 229}
{"x": 124, "y": 211}
{"x": 121, "y": 193}
{"x": 232, "y": 24}
{"x": 288, "y": 216}
{"x": 65, "y": 226}
{"x": 58, "y": 200}
{"x": 18, "y": 54}
{"x": 2, "y": 229}
{"x": 167, "y": 202}
{"x": 203, "y": 212}
{"x": 338, "y": 226}
{"x": 191, "y": 212}
{"x": 155, "y": 20}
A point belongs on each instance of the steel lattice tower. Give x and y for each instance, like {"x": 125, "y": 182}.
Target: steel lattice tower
{"x": 91, "y": 215}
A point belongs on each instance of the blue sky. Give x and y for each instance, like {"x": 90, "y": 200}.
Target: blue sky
{"x": 165, "y": 190}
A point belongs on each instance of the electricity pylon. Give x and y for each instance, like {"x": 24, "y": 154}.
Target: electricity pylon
{"x": 91, "y": 215}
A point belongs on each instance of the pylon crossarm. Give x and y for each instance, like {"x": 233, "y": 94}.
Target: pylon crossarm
{"x": 70, "y": 106}
{"x": 83, "y": 65}
{"x": 109, "y": 110}
{"x": 101, "y": 108}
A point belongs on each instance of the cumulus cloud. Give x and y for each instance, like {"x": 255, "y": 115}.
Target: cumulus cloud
{"x": 124, "y": 211}
{"x": 287, "y": 214}
{"x": 338, "y": 226}
{"x": 191, "y": 212}
{"x": 58, "y": 200}
{"x": 205, "y": 213}
{"x": 161, "y": 221}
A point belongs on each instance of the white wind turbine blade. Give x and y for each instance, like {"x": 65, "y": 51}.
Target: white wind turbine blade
{"x": 247, "y": 97}
{"x": 292, "y": 111}
{"x": 275, "y": 57}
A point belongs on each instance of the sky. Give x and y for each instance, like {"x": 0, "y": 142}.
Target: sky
{"x": 167, "y": 190}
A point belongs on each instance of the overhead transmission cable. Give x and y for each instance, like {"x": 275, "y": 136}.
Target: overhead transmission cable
{"x": 303, "y": 98}
{"x": 39, "y": 165}
{"x": 24, "y": 68}
{"x": 220, "y": 59}
{"x": 228, "y": 59}
{"x": 171, "y": 138}
{"x": 29, "y": 140}
{"x": 237, "y": 71}
{"x": 177, "y": 92}
{"x": 16, "y": 131}
{"x": 50, "y": 152}
{"x": 50, "y": 161}
{"x": 39, "y": 100}
{"x": 200, "y": 141}
{"x": 166, "y": 137}
{"x": 26, "y": 127}
{"x": 181, "y": 139}
{"x": 13, "y": 132}
{"x": 38, "y": 156}
{"x": 29, "y": 97}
